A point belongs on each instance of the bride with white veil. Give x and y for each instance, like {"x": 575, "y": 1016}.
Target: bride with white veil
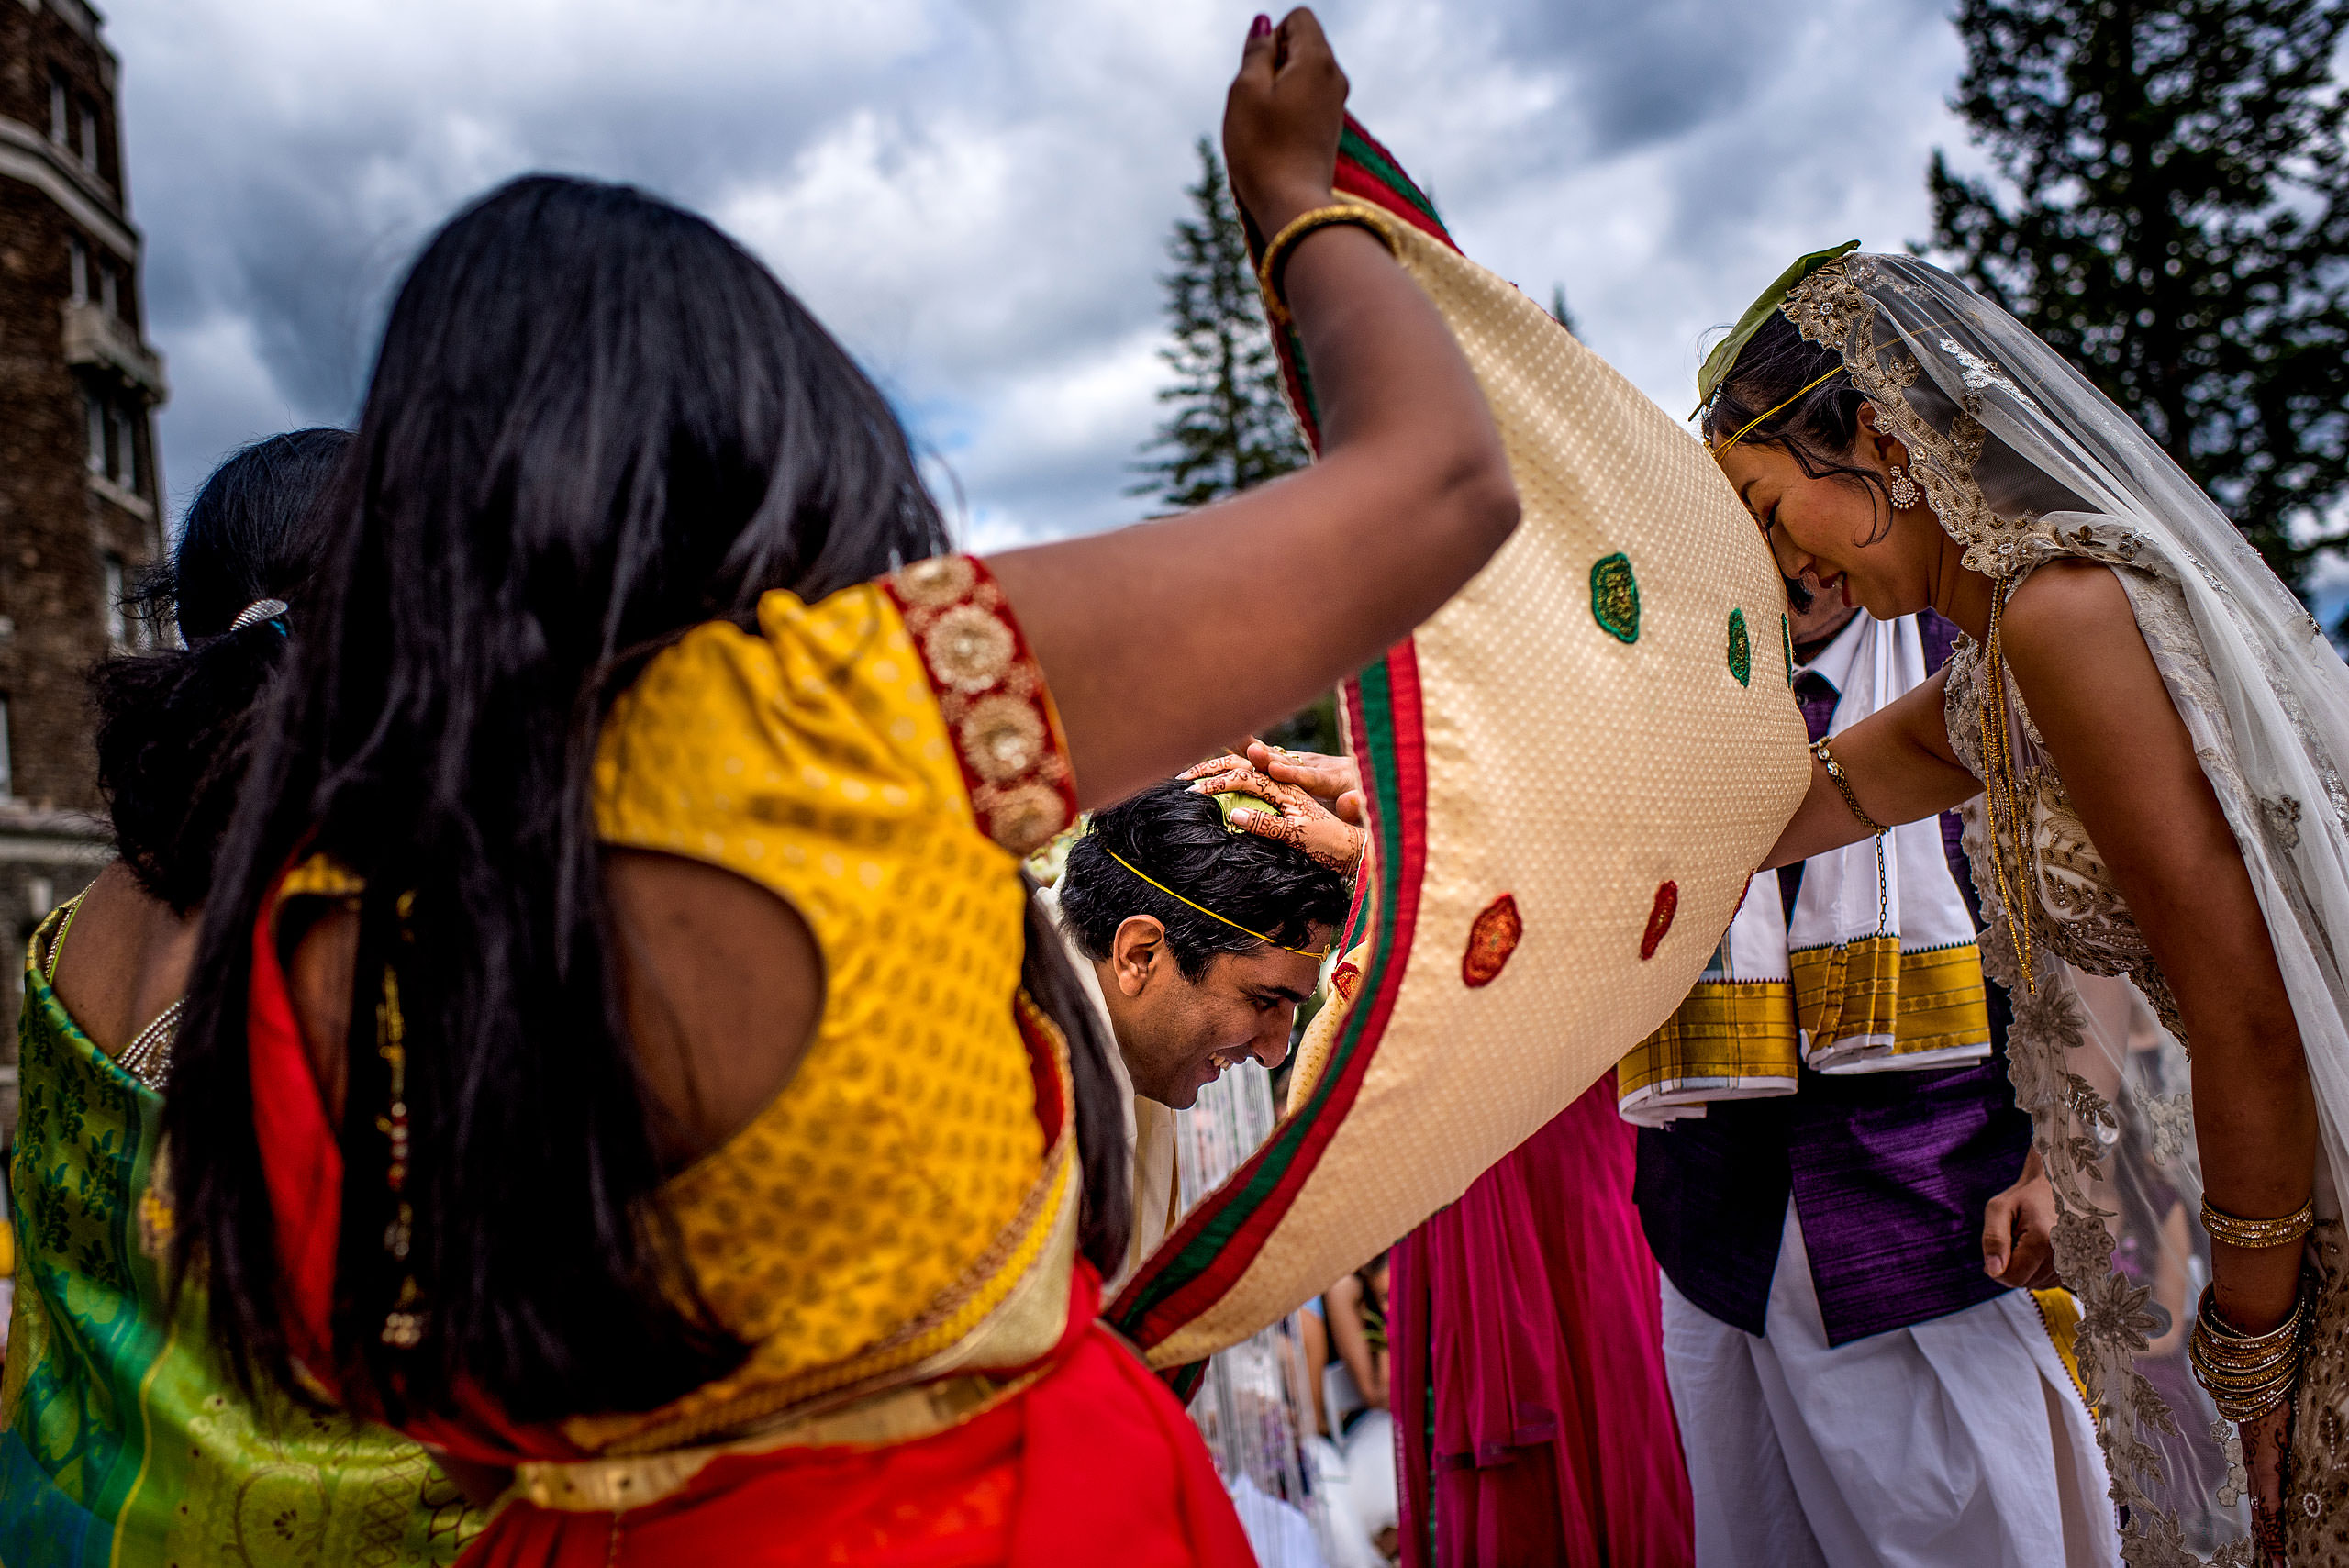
{"x": 2150, "y": 729}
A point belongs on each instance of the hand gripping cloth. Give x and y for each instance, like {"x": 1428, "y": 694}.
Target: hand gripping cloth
{"x": 1573, "y": 770}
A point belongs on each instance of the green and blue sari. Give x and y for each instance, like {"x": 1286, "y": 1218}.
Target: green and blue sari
{"x": 122, "y": 1442}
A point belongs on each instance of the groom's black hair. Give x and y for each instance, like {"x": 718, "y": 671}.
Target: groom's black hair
{"x": 1178, "y": 839}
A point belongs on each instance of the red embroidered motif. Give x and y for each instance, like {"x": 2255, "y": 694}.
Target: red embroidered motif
{"x": 1344, "y": 978}
{"x": 1007, "y": 738}
{"x": 1667, "y": 904}
{"x": 1491, "y": 939}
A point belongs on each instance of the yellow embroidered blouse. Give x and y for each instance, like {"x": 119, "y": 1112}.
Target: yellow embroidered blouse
{"x": 881, "y": 759}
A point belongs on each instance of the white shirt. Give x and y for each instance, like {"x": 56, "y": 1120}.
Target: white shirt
{"x": 1149, "y": 1126}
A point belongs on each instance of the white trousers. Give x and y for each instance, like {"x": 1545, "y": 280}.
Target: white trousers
{"x": 1959, "y": 1441}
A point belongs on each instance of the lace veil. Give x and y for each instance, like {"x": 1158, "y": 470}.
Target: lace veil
{"x": 2022, "y": 460}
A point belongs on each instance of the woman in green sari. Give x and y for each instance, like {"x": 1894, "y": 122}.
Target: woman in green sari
{"x": 123, "y": 1441}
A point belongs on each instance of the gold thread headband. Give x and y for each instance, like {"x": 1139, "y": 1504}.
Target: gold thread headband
{"x": 1749, "y": 425}
{"x": 1301, "y": 953}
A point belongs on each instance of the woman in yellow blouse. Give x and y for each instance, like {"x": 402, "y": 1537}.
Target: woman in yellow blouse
{"x": 626, "y": 1064}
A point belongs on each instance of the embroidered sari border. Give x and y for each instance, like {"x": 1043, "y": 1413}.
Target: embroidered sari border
{"x": 1367, "y": 172}
{"x": 1213, "y": 1248}
{"x": 1217, "y": 1242}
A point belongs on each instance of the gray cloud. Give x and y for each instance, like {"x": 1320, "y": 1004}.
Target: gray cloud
{"x": 975, "y": 194}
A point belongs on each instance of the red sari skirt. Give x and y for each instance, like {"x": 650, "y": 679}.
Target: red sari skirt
{"x": 1097, "y": 1463}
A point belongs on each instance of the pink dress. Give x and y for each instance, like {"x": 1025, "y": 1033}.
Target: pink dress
{"x": 1529, "y": 1310}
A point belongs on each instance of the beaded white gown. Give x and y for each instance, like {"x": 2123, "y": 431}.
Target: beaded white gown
{"x": 2024, "y": 461}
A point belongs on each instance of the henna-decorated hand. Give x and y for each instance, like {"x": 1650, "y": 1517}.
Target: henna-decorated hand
{"x": 1335, "y": 781}
{"x": 1302, "y": 823}
{"x": 2266, "y": 1455}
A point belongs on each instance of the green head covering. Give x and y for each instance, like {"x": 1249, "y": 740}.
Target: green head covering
{"x": 1724, "y": 355}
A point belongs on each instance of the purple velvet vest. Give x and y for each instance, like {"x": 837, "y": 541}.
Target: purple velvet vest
{"x": 1888, "y": 1172}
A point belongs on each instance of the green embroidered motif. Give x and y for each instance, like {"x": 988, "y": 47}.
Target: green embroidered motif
{"x": 1615, "y": 597}
{"x": 1786, "y": 631}
{"x": 1740, "y": 650}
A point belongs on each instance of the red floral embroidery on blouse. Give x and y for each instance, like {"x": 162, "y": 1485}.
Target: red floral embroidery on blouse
{"x": 1006, "y": 736}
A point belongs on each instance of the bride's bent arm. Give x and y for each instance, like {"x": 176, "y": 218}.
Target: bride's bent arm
{"x": 2099, "y": 703}
{"x": 1165, "y": 641}
{"x": 1899, "y": 765}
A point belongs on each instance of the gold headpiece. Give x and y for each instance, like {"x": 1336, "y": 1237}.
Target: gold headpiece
{"x": 1301, "y": 953}
{"x": 1749, "y": 425}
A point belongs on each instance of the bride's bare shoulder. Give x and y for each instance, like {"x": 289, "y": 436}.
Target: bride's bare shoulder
{"x": 2070, "y": 636}
{"x": 2063, "y": 603}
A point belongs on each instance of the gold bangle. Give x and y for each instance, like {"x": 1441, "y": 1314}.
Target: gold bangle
{"x": 2209, "y": 1320}
{"x": 2247, "y": 1375}
{"x": 2251, "y": 1402}
{"x": 1844, "y": 781}
{"x": 1274, "y": 266}
{"x": 2258, "y": 1234}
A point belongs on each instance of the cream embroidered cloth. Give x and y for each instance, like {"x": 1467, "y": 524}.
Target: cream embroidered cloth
{"x": 1573, "y": 768}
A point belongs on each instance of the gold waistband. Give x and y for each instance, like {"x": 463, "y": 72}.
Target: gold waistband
{"x": 1929, "y": 1000}
{"x": 903, "y": 1415}
{"x": 1726, "y": 1029}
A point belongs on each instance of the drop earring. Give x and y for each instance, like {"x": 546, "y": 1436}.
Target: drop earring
{"x": 1903, "y": 489}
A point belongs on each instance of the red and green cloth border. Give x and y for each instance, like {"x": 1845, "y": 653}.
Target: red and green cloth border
{"x": 1367, "y": 170}
{"x": 1218, "y": 1241}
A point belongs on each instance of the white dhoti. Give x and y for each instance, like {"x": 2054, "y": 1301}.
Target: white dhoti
{"x": 1958, "y": 1441}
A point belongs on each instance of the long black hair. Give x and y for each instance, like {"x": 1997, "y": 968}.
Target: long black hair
{"x": 593, "y": 423}
{"x": 174, "y": 725}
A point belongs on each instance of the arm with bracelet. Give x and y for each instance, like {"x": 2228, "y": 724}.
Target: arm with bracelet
{"x": 2143, "y": 711}
{"x": 1411, "y": 496}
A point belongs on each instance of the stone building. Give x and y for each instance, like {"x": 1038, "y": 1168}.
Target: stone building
{"x": 80, "y": 497}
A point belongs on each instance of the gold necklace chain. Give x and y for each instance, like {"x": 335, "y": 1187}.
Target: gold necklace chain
{"x": 2001, "y": 796}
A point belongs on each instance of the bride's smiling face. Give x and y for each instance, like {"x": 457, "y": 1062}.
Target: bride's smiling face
{"x": 1839, "y": 533}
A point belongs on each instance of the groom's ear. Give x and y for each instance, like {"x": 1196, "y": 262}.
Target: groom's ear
{"x": 1139, "y": 946}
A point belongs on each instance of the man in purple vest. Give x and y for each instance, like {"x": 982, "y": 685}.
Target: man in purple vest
{"x": 1859, "y": 1380}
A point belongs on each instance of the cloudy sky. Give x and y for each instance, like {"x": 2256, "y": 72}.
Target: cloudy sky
{"x": 976, "y": 196}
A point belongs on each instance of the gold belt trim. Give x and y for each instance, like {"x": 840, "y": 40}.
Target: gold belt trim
{"x": 1925, "y": 1001}
{"x": 904, "y": 1415}
{"x": 2059, "y": 1312}
{"x": 1726, "y": 1028}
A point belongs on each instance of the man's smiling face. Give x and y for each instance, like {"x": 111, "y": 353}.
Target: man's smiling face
{"x": 1177, "y": 1035}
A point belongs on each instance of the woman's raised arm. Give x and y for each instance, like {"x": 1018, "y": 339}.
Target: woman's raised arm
{"x": 1164, "y": 640}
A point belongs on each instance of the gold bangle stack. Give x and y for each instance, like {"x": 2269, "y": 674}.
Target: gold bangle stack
{"x": 1844, "y": 781}
{"x": 2258, "y": 1234}
{"x": 2247, "y": 1375}
{"x": 1274, "y": 266}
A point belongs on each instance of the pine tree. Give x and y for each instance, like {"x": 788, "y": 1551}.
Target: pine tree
{"x": 2175, "y": 222}
{"x": 1230, "y": 428}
